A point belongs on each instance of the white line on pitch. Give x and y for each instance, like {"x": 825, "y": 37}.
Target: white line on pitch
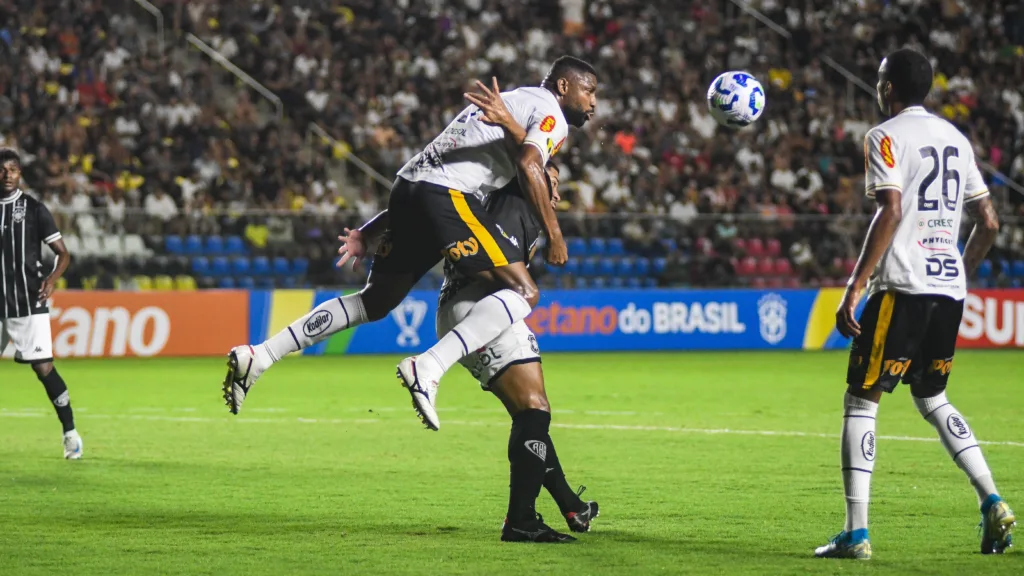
{"x": 618, "y": 427}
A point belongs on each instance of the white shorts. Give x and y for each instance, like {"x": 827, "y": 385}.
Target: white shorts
{"x": 30, "y": 336}
{"x": 516, "y": 345}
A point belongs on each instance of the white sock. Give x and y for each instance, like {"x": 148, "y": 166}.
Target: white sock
{"x": 333, "y": 316}
{"x": 858, "y": 457}
{"x": 959, "y": 440}
{"x": 485, "y": 321}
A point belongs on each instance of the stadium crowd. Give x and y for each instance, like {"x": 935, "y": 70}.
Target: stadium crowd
{"x": 107, "y": 123}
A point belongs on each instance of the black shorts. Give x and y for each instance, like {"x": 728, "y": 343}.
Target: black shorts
{"x": 905, "y": 337}
{"x": 428, "y": 222}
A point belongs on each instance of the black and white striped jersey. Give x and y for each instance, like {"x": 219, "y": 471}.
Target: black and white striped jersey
{"x": 25, "y": 224}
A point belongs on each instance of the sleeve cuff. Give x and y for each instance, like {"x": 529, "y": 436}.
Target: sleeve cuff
{"x": 52, "y": 238}
{"x": 870, "y": 189}
{"x": 978, "y": 195}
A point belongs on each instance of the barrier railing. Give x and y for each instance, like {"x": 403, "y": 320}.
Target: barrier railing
{"x": 231, "y": 67}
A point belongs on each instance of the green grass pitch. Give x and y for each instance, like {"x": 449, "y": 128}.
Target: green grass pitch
{"x": 718, "y": 463}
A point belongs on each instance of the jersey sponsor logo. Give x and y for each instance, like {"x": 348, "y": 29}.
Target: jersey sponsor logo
{"x": 941, "y": 269}
{"x": 993, "y": 319}
{"x": 941, "y": 241}
{"x": 408, "y": 316}
{"x": 771, "y": 314}
{"x": 458, "y": 250}
{"x": 885, "y": 148}
{"x": 867, "y": 445}
{"x": 941, "y": 366}
{"x": 547, "y": 124}
{"x": 318, "y": 324}
{"x": 957, "y": 426}
{"x": 896, "y": 367}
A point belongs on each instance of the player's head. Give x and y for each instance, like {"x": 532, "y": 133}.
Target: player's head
{"x": 10, "y": 169}
{"x": 574, "y": 83}
{"x": 904, "y": 79}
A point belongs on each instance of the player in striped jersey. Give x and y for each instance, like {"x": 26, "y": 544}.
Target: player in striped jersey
{"x": 25, "y": 225}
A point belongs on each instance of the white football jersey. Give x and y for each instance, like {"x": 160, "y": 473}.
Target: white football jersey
{"x": 932, "y": 164}
{"x": 470, "y": 156}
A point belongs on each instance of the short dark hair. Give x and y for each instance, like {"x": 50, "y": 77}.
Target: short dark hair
{"x": 910, "y": 74}
{"x": 7, "y": 154}
{"x": 565, "y": 66}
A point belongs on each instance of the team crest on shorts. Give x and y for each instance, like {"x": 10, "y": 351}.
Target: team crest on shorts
{"x": 19, "y": 211}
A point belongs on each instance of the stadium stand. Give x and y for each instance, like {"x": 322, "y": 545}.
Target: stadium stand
{"x": 142, "y": 154}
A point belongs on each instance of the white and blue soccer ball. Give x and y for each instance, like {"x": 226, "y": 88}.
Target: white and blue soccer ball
{"x": 736, "y": 99}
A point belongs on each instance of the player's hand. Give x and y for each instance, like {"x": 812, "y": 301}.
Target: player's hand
{"x": 552, "y": 172}
{"x": 557, "y": 251}
{"x": 846, "y": 316}
{"x": 489, "y": 101}
{"x": 47, "y": 289}
{"x": 353, "y": 247}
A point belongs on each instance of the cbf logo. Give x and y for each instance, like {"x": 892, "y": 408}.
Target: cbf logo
{"x": 771, "y": 312}
{"x": 19, "y": 211}
{"x": 409, "y": 317}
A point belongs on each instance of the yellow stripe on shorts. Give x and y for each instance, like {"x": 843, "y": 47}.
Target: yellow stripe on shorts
{"x": 878, "y": 342}
{"x": 479, "y": 231}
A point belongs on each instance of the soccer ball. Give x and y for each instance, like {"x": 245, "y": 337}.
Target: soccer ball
{"x": 735, "y": 99}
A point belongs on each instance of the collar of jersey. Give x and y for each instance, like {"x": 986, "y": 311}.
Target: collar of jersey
{"x": 912, "y": 109}
{"x": 11, "y": 198}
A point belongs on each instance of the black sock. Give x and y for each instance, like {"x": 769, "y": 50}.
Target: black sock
{"x": 557, "y": 485}
{"x": 527, "y": 454}
{"x": 58, "y": 393}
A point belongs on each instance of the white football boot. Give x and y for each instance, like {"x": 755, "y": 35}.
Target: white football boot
{"x": 423, "y": 391}
{"x": 244, "y": 367}
{"x": 72, "y": 445}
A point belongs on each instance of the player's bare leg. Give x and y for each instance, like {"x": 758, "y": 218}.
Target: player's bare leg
{"x": 515, "y": 296}
{"x": 858, "y": 449}
{"x": 533, "y": 460}
{"x": 57, "y": 391}
{"x": 382, "y": 293}
{"x": 997, "y": 519}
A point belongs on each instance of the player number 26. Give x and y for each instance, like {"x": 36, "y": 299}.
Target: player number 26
{"x": 949, "y": 197}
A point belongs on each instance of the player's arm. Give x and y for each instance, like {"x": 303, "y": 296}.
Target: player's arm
{"x": 52, "y": 238}
{"x": 533, "y": 180}
{"x": 884, "y": 182}
{"x": 355, "y": 243}
{"x": 978, "y": 203}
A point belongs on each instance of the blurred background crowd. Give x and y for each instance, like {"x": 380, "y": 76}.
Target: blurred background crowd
{"x": 160, "y": 162}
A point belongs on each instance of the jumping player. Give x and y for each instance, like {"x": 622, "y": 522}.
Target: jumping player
{"x": 436, "y": 210}
{"x": 921, "y": 171}
{"x": 25, "y": 225}
{"x": 509, "y": 367}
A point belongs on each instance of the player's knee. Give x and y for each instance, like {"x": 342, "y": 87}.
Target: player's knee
{"x": 42, "y": 369}
{"x": 529, "y": 292}
{"x": 533, "y": 401}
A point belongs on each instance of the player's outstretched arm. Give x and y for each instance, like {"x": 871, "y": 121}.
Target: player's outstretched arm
{"x": 883, "y": 228}
{"x": 534, "y": 181}
{"x": 355, "y": 243}
{"x": 489, "y": 101}
{"x": 983, "y": 236}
